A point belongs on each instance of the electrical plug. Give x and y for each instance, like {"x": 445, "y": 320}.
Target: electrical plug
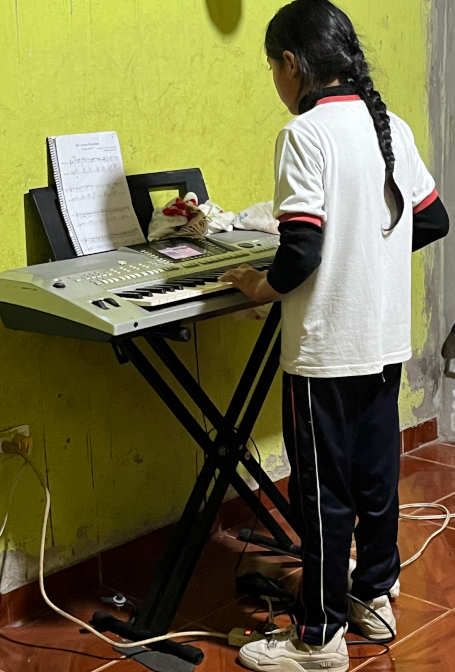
{"x": 239, "y": 637}
{"x": 16, "y": 441}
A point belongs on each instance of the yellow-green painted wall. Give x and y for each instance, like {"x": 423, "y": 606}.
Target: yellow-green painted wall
{"x": 184, "y": 83}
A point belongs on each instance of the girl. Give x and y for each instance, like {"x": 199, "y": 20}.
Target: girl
{"x": 354, "y": 199}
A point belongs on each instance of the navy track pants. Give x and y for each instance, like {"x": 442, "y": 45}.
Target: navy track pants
{"x": 342, "y": 437}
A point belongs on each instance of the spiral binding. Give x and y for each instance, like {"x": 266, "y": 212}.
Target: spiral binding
{"x": 52, "y": 142}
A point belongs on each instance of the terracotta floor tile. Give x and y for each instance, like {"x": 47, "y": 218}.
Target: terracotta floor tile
{"x": 423, "y": 481}
{"x": 429, "y": 650}
{"x": 248, "y": 613}
{"x": 213, "y": 582}
{"x": 144, "y": 552}
{"x": 431, "y": 577}
{"x": 411, "y": 615}
{"x": 219, "y": 657}
{"x": 449, "y": 503}
{"x": 436, "y": 452}
{"x": 48, "y": 645}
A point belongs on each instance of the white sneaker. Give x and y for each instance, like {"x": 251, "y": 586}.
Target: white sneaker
{"x": 371, "y": 627}
{"x": 394, "y": 591}
{"x": 284, "y": 652}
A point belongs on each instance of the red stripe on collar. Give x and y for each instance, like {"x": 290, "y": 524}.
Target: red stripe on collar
{"x": 338, "y": 99}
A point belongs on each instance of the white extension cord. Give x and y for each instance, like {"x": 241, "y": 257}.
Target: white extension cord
{"x": 10, "y": 498}
{"x": 152, "y": 640}
{"x": 446, "y": 516}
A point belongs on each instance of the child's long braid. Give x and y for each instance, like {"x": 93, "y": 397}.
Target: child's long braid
{"x": 326, "y": 48}
{"x": 359, "y": 73}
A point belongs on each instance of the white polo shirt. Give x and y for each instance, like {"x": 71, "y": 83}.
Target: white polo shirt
{"x": 353, "y": 315}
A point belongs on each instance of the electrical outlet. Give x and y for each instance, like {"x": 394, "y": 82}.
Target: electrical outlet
{"x": 16, "y": 440}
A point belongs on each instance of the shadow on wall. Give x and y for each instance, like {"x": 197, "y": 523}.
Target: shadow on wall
{"x": 225, "y": 14}
{"x": 37, "y": 245}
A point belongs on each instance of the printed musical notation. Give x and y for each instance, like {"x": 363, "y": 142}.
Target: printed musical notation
{"x": 89, "y": 191}
{"x": 106, "y": 217}
{"x": 94, "y": 164}
{"x": 99, "y": 243}
{"x": 95, "y": 192}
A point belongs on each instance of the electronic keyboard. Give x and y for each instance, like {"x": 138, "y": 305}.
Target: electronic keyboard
{"x": 107, "y": 296}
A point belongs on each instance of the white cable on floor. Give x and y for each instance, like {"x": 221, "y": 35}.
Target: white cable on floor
{"x": 446, "y": 517}
{"x": 408, "y": 516}
{"x": 192, "y": 633}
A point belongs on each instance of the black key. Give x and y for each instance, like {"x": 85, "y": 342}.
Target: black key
{"x": 166, "y": 287}
{"x": 112, "y": 302}
{"x": 176, "y": 285}
{"x": 157, "y": 289}
{"x": 188, "y": 283}
{"x": 129, "y": 295}
{"x": 198, "y": 281}
{"x": 100, "y": 304}
{"x": 145, "y": 292}
{"x": 150, "y": 291}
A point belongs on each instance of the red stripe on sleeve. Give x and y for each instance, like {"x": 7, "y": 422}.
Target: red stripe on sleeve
{"x": 426, "y": 203}
{"x": 300, "y": 217}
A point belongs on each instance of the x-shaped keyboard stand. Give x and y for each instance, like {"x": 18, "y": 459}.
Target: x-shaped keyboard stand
{"x": 223, "y": 454}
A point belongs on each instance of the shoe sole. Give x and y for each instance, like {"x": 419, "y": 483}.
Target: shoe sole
{"x": 286, "y": 665}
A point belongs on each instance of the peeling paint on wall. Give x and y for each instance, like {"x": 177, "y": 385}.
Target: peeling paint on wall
{"x": 442, "y": 115}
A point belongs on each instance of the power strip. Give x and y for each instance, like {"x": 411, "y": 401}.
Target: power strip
{"x": 239, "y": 637}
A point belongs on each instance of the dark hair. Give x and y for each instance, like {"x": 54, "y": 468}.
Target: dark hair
{"x": 326, "y": 47}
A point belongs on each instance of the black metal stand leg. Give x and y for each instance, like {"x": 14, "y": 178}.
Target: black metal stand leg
{"x": 223, "y": 455}
{"x": 183, "y": 530}
{"x": 208, "y": 446}
{"x": 282, "y": 540}
{"x": 158, "y": 614}
{"x": 226, "y": 434}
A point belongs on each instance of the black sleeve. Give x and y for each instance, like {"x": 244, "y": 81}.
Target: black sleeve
{"x": 298, "y": 255}
{"x": 429, "y": 225}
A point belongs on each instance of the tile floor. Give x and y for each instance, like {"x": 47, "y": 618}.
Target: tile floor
{"x": 425, "y": 610}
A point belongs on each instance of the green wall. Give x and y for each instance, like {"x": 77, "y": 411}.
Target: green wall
{"x": 184, "y": 83}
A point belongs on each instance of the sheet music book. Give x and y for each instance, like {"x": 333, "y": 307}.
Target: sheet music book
{"x": 93, "y": 192}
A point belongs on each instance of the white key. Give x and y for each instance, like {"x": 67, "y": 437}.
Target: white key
{"x": 180, "y": 294}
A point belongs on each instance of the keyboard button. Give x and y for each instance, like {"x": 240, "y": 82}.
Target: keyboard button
{"x": 100, "y": 304}
{"x": 112, "y": 302}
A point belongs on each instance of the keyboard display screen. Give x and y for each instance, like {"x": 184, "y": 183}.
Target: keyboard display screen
{"x": 180, "y": 251}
